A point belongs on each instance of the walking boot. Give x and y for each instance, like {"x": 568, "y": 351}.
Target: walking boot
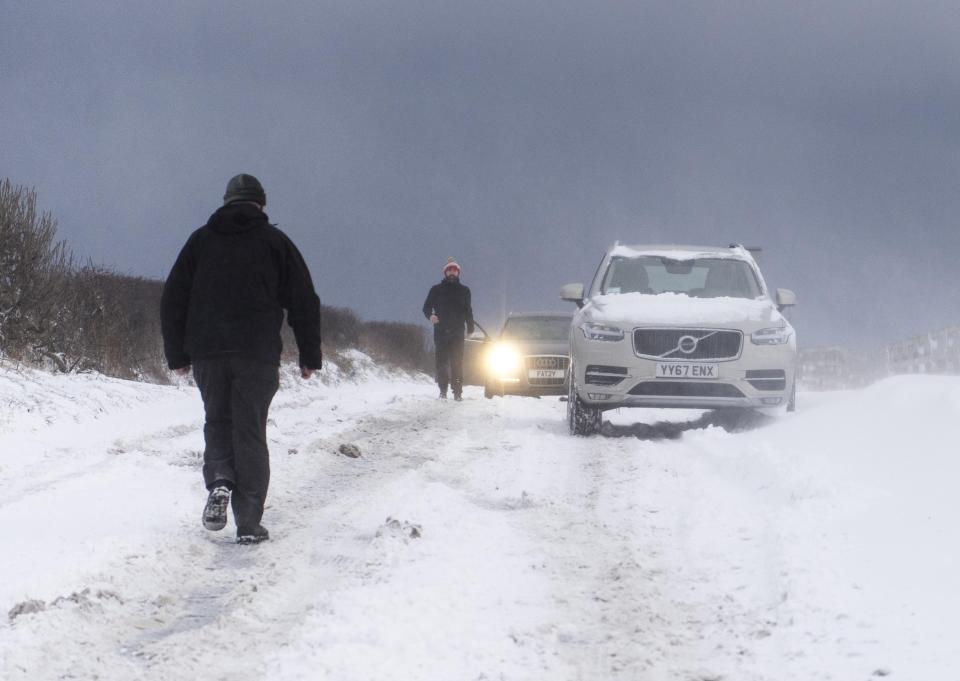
{"x": 215, "y": 512}
{"x": 252, "y": 535}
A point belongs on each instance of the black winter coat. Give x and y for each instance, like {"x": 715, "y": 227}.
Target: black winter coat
{"x": 450, "y": 301}
{"x": 227, "y": 291}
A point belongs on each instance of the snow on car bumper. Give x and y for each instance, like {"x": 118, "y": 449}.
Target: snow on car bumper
{"x": 611, "y": 376}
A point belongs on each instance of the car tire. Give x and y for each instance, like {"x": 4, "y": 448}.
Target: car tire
{"x": 581, "y": 418}
{"x": 792, "y": 400}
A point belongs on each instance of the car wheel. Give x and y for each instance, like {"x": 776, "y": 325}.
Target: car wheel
{"x": 581, "y": 419}
{"x": 792, "y": 400}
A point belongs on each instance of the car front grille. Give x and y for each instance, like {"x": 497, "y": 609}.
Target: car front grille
{"x": 684, "y": 389}
{"x": 548, "y": 363}
{"x": 687, "y": 344}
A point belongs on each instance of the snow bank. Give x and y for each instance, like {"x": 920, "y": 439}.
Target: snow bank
{"x": 351, "y": 366}
{"x": 851, "y": 507}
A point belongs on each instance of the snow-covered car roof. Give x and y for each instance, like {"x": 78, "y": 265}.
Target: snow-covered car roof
{"x": 681, "y": 252}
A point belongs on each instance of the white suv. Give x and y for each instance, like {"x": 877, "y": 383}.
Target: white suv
{"x": 678, "y": 326}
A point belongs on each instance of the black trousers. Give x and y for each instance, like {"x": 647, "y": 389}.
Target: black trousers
{"x": 449, "y": 363}
{"x": 236, "y": 396}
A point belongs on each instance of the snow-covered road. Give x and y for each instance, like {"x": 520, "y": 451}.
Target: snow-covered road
{"x": 479, "y": 541}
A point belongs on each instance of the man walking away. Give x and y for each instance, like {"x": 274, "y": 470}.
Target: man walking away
{"x": 448, "y": 308}
{"x": 221, "y": 313}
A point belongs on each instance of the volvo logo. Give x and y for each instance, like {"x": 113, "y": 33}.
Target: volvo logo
{"x": 687, "y": 344}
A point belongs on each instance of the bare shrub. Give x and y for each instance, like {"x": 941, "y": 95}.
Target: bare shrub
{"x": 341, "y": 328}
{"x": 111, "y": 325}
{"x": 34, "y": 269}
{"x": 396, "y": 343}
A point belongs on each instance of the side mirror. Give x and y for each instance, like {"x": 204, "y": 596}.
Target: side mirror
{"x": 573, "y": 293}
{"x": 785, "y": 298}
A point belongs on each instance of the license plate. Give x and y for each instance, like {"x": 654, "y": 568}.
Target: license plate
{"x": 687, "y": 370}
{"x": 546, "y": 373}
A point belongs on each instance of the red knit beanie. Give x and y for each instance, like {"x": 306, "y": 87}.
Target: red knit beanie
{"x": 451, "y": 265}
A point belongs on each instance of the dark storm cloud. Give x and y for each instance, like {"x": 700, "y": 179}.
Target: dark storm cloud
{"x": 523, "y": 138}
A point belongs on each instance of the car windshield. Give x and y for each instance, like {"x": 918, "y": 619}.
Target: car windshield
{"x": 537, "y": 328}
{"x": 697, "y": 278}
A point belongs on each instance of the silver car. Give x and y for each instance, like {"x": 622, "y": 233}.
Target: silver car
{"x": 678, "y": 326}
{"x": 530, "y": 356}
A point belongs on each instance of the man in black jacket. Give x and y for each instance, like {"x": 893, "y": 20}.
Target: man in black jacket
{"x": 448, "y": 308}
{"x": 221, "y": 313}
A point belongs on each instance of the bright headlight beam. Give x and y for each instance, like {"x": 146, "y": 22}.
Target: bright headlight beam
{"x": 503, "y": 360}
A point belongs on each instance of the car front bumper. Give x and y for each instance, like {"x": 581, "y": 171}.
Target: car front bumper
{"x": 760, "y": 377}
{"x": 507, "y": 386}
{"x": 523, "y": 382}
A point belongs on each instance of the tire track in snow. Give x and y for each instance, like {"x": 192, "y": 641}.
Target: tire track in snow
{"x": 222, "y": 619}
{"x": 194, "y": 589}
{"x": 614, "y": 539}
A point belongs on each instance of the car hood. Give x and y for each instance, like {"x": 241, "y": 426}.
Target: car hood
{"x": 679, "y": 309}
{"x": 539, "y": 347}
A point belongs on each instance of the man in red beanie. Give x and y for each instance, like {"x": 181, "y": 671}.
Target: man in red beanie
{"x": 449, "y": 310}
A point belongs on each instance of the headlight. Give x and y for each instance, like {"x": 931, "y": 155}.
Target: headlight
{"x": 777, "y": 335}
{"x": 601, "y": 332}
{"x": 503, "y": 360}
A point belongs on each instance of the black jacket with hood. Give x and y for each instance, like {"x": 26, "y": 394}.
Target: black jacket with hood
{"x": 227, "y": 291}
{"x": 450, "y": 301}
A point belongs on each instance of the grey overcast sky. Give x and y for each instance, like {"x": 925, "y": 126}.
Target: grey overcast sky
{"x": 523, "y": 138}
